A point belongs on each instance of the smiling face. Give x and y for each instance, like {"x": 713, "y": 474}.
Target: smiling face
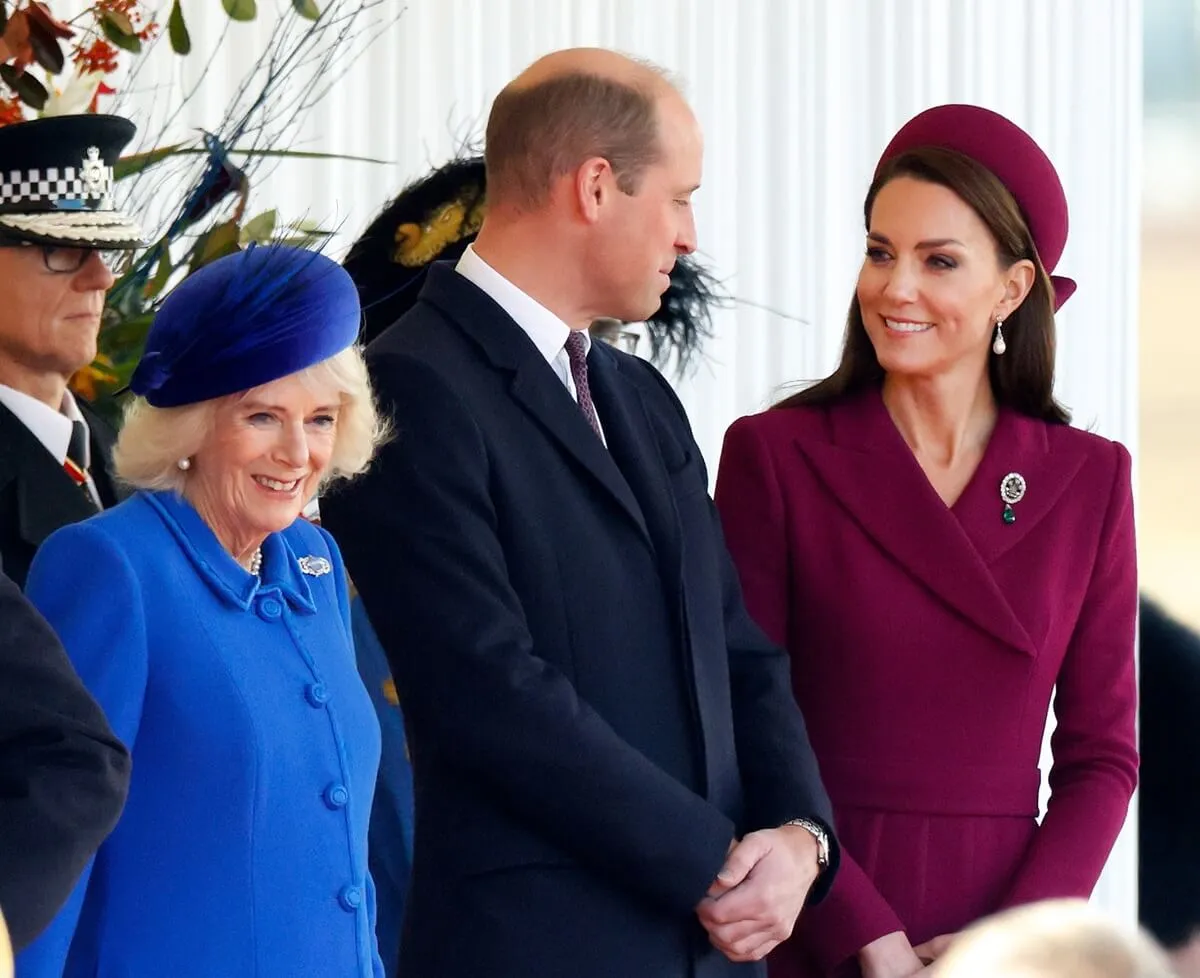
{"x": 264, "y": 458}
{"x": 931, "y": 286}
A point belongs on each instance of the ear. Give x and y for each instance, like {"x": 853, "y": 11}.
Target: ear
{"x": 1018, "y": 280}
{"x": 594, "y": 184}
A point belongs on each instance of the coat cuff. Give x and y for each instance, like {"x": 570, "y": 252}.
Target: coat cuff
{"x": 852, "y": 916}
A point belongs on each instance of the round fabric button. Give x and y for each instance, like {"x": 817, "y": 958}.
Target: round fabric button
{"x": 317, "y": 694}
{"x": 350, "y": 898}
{"x": 270, "y": 609}
{"x": 336, "y": 796}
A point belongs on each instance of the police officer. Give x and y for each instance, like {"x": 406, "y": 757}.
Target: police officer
{"x": 59, "y": 232}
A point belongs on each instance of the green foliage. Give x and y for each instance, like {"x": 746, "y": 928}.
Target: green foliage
{"x": 241, "y": 9}
{"x": 210, "y": 219}
{"x": 307, "y": 9}
{"x": 177, "y": 32}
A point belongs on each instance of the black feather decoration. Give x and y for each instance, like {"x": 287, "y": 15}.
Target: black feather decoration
{"x": 437, "y": 216}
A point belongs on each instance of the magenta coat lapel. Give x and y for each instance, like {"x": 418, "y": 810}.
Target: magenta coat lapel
{"x": 947, "y": 549}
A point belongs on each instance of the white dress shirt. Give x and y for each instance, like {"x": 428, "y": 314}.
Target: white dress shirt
{"x": 52, "y": 428}
{"x": 548, "y": 332}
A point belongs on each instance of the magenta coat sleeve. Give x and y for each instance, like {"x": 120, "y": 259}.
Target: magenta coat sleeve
{"x": 1095, "y": 705}
{"x": 754, "y": 519}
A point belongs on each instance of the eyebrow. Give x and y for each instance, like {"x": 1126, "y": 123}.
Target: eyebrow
{"x": 280, "y": 409}
{"x": 928, "y": 243}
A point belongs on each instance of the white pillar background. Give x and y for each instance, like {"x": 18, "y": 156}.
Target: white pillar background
{"x": 797, "y": 99}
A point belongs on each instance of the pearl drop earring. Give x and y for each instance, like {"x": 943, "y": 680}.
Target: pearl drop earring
{"x": 184, "y": 464}
{"x": 998, "y": 344}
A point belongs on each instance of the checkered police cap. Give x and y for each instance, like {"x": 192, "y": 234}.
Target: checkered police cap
{"x": 56, "y": 182}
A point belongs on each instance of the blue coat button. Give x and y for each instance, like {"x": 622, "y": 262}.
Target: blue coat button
{"x": 269, "y": 609}
{"x": 350, "y": 898}
{"x": 336, "y": 796}
{"x": 317, "y": 694}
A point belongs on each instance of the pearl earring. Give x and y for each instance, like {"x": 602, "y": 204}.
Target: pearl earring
{"x": 184, "y": 464}
{"x": 998, "y": 344}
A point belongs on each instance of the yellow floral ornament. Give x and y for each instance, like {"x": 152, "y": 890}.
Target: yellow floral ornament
{"x": 92, "y": 379}
{"x": 419, "y": 244}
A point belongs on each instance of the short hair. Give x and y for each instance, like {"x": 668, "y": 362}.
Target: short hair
{"x": 1053, "y": 939}
{"x": 540, "y": 132}
{"x": 153, "y": 439}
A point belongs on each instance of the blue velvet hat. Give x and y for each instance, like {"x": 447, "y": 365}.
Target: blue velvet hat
{"x": 244, "y": 320}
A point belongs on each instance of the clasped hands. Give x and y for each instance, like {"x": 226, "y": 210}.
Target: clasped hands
{"x": 753, "y": 903}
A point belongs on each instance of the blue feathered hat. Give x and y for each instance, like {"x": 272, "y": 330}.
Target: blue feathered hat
{"x": 244, "y": 320}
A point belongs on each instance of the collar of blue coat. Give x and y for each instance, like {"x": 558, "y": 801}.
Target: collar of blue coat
{"x": 228, "y": 579}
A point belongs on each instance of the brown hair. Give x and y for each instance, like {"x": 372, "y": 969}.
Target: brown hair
{"x": 1022, "y": 379}
{"x": 538, "y": 133}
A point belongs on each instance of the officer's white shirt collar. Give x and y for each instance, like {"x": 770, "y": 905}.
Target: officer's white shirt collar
{"x": 52, "y": 428}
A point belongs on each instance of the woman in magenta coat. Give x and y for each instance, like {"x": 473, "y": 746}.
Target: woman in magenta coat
{"x": 939, "y": 550}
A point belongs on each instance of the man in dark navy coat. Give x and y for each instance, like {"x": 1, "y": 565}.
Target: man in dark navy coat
{"x": 612, "y": 779}
{"x": 63, "y": 773}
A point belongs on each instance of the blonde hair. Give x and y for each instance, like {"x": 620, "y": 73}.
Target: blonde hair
{"x": 153, "y": 440}
{"x": 1052, "y": 939}
{"x": 6, "y": 953}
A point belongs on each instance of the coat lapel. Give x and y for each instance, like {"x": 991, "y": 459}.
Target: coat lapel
{"x": 46, "y": 497}
{"x": 629, "y": 433}
{"x": 1019, "y": 444}
{"x": 873, "y": 475}
{"x": 534, "y": 384}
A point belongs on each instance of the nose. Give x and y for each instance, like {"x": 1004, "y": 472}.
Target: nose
{"x": 685, "y": 237}
{"x": 293, "y": 446}
{"x": 901, "y": 282}
{"x": 94, "y": 275}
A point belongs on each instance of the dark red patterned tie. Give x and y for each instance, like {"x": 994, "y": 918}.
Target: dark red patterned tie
{"x": 577, "y": 355}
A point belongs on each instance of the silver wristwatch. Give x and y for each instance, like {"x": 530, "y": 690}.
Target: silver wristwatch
{"x": 814, "y": 829}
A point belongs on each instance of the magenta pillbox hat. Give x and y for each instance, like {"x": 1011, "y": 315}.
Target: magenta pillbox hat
{"x": 1013, "y": 157}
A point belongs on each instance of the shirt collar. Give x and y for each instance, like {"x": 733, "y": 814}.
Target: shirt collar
{"x": 548, "y": 332}
{"x": 52, "y": 428}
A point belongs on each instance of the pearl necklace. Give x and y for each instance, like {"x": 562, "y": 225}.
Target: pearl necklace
{"x": 256, "y": 562}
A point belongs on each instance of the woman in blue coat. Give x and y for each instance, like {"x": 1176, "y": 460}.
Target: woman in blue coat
{"x": 213, "y": 625}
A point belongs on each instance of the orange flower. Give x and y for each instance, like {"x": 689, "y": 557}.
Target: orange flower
{"x": 143, "y": 26}
{"x": 97, "y": 58}
{"x": 101, "y": 89}
{"x": 126, "y": 7}
{"x": 11, "y": 111}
